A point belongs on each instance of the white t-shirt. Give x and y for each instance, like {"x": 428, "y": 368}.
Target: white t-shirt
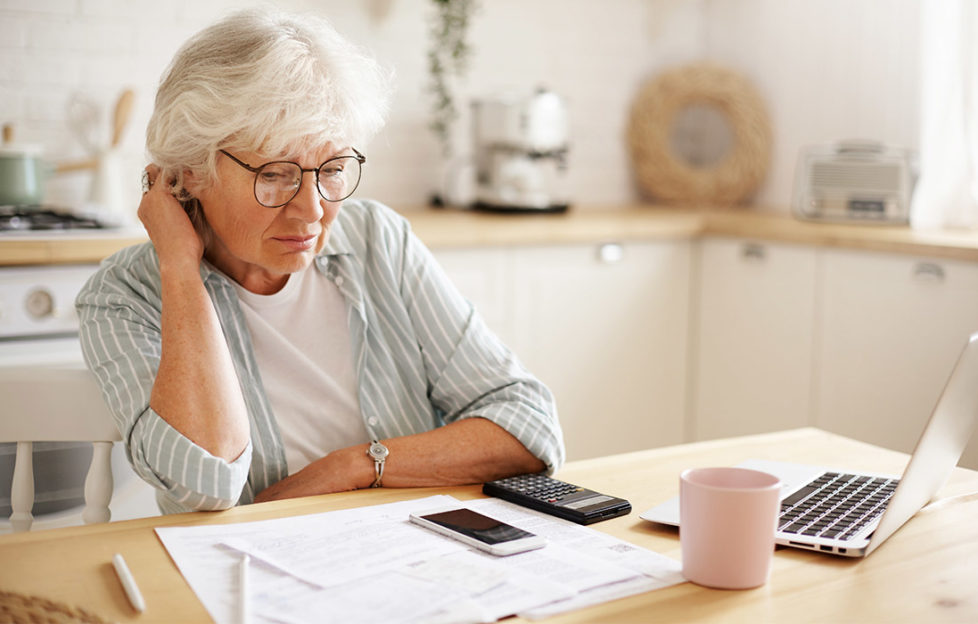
{"x": 301, "y": 341}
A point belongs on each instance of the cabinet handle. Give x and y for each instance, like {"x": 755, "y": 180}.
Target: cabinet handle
{"x": 928, "y": 271}
{"x": 753, "y": 252}
{"x": 611, "y": 253}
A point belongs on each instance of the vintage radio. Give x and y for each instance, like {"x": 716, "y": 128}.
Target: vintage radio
{"x": 860, "y": 181}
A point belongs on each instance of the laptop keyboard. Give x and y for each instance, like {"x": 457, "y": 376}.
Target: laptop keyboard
{"x": 835, "y": 505}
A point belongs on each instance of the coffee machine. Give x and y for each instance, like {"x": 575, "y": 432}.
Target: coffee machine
{"x": 520, "y": 153}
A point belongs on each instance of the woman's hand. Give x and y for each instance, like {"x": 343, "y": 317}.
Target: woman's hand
{"x": 472, "y": 450}
{"x": 340, "y": 471}
{"x": 170, "y": 229}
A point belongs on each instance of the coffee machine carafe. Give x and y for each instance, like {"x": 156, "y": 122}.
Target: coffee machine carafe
{"x": 521, "y": 153}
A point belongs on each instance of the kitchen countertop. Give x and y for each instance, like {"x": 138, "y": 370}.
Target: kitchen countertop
{"x": 65, "y": 247}
{"x": 446, "y": 228}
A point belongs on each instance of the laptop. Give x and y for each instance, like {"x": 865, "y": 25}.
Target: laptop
{"x": 851, "y": 513}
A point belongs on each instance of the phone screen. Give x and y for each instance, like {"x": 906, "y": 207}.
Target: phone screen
{"x": 483, "y": 528}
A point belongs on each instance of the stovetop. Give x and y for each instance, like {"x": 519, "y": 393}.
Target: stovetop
{"x": 45, "y": 218}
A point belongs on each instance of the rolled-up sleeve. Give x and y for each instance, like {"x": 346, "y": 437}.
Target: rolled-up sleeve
{"x": 470, "y": 371}
{"x": 119, "y": 314}
{"x": 192, "y": 478}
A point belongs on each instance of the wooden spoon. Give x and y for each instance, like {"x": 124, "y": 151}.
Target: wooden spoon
{"x": 123, "y": 110}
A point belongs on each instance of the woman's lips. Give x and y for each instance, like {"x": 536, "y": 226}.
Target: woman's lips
{"x": 297, "y": 243}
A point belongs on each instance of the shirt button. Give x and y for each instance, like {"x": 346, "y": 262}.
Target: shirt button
{"x": 339, "y": 281}
{"x": 372, "y": 421}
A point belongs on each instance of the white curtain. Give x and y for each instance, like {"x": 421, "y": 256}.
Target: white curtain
{"x": 947, "y": 190}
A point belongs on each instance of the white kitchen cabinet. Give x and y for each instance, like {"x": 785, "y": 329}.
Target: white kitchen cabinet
{"x": 891, "y": 329}
{"x": 606, "y": 327}
{"x": 753, "y": 345}
{"x": 653, "y": 343}
{"x": 484, "y": 277}
{"x": 603, "y": 325}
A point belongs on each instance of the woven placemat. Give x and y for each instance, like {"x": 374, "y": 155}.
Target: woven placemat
{"x": 21, "y": 609}
{"x": 663, "y": 175}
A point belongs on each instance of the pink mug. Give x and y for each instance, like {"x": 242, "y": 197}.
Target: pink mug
{"x": 727, "y": 520}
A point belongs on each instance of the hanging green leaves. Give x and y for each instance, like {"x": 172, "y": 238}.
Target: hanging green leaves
{"x": 448, "y": 57}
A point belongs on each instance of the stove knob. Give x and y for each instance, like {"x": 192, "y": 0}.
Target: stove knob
{"x": 40, "y": 303}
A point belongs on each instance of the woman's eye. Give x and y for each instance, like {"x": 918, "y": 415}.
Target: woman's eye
{"x": 273, "y": 177}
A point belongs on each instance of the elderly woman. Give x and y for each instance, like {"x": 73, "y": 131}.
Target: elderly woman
{"x": 273, "y": 340}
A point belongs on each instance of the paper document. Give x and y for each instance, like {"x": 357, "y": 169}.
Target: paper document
{"x": 372, "y": 564}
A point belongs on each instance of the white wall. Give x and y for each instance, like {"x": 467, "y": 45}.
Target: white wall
{"x": 829, "y": 69}
{"x": 596, "y": 54}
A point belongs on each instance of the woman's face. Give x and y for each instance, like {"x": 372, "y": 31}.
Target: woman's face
{"x": 260, "y": 247}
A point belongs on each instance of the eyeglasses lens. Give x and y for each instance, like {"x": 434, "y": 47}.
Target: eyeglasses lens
{"x": 278, "y": 182}
{"x": 339, "y": 177}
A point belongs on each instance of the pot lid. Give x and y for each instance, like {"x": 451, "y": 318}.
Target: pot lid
{"x": 19, "y": 150}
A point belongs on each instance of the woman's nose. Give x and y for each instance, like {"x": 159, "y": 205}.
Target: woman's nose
{"x": 307, "y": 203}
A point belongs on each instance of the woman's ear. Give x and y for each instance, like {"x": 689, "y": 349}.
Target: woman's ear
{"x": 191, "y": 183}
{"x": 195, "y": 212}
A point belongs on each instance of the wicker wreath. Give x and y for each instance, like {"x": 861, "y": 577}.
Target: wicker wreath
{"x": 20, "y": 609}
{"x": 662, "y": 175}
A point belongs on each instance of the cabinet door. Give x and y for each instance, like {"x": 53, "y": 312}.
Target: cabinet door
{"x": 605, "y": 327}
{"x": 483, "y": 276}
{"x": 753, "y": 347}
{"x": 892, "y": 329}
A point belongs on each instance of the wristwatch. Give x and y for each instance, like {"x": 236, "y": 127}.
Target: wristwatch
{"x": 378, "y": 452}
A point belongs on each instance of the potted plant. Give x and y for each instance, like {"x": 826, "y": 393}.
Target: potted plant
{"x": 448, "y": 57}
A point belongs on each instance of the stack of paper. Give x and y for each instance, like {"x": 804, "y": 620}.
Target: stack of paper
{"x": 372, "y": 564}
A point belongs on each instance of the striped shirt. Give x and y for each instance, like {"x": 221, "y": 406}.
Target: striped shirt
{"x": 423, "y": 356}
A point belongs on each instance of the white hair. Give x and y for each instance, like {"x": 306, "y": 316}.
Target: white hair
{"x": 263, "y": 82}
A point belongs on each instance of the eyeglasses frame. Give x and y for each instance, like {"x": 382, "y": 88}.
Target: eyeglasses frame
{"x": 360, "y": 158}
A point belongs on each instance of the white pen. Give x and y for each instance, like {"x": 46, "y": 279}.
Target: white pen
{"x": 243, "y": 587}
{"x": 128, "y": 583}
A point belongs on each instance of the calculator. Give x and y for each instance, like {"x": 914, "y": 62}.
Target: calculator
{"x": 558, "y": 498}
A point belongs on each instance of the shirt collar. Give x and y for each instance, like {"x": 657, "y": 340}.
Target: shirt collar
{"x": 338, "y": 242}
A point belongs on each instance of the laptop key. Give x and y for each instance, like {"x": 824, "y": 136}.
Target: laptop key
{"x": 800, "y": 495}
{"x": 795, "y": 527}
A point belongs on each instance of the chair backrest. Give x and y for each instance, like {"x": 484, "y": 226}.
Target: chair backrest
{"x": 62, "y": 403}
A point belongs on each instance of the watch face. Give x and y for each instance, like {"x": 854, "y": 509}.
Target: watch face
{"x": 378, "y": 450}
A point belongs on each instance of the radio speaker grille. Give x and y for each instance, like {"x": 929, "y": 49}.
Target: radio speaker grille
{"x": 865, "y": 176}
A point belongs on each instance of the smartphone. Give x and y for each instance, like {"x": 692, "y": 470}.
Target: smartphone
{"x": 477, "y": 530}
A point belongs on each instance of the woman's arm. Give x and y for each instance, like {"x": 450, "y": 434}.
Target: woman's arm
{"x": 473, "y": 450}
{"x": 500, "y": 420}
{"x": 122, "y": 318}
{"x": 196, "y": 390}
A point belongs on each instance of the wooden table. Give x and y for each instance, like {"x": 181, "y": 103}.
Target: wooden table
{"x": 926, "y": 572}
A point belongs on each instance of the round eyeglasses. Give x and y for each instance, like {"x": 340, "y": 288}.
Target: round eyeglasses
{"x": 277, "y": 183}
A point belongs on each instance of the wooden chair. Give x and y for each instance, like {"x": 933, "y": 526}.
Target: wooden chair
{"x": 40, "y": 404}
